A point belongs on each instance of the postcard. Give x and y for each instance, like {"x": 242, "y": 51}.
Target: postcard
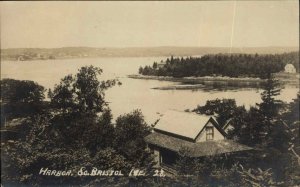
{"x": 152, "y": 93}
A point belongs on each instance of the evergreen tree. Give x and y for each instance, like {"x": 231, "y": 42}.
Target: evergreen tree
{"x": 270, "y": 106}
{"x": 154, "y": 66}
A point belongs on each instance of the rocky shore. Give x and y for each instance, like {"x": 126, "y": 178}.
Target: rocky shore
{"x": 198, "y": 82}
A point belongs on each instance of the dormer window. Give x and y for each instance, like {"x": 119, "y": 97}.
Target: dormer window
{"x": 209, "y": 133}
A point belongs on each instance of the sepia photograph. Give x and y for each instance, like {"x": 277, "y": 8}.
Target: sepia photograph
{"x": 150, "y": 93}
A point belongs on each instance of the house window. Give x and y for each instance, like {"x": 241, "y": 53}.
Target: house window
{"x": 209, "y": 133}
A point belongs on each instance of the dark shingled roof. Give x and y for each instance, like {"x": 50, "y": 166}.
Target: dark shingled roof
{"x": 195, "y": 149}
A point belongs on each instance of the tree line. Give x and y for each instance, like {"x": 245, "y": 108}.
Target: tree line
{"x": 231, "y": 65}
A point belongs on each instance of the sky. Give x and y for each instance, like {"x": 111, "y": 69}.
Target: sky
{"x": 151, "y": 23}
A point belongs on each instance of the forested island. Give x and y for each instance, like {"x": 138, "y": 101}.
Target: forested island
{"x": 230, "y": 65}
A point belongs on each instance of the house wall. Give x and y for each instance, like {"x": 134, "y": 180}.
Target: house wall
{"x": 217, "y": 135}
{"x": 157, "y": 157}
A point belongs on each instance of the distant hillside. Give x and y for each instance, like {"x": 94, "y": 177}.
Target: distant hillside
{"x": 86, "y": 52}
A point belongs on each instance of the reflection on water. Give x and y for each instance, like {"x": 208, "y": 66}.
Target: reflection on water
{"x": 203, "y": 87}
{"x": 133, "y": 93}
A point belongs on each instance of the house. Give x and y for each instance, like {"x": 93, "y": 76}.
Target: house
{"x": 201, "y": 135}
{"x": 289, "y": 68}
{"x": 24, "y": 57}
{"x": 161, "y": 65}
{"x": 20, "y": 58}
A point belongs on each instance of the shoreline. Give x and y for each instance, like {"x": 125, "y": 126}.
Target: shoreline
{"x": 181, "y": 79}
{"x": 195, "y": 79}
{"x": 200, "y": 82}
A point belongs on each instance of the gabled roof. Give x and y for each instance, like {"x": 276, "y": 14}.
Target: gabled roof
{"x": 227, "y": 123}
{"x": 195, "y": 149}
{"x": 183, "y": 123}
